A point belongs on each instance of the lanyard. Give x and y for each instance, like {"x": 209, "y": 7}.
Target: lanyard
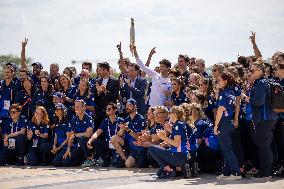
{"x": 109, "y": 129}
{"x": 12, "y": 127}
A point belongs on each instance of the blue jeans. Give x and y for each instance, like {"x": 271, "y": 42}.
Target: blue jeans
{"x": 166, "y": 157}
{"x": 226, "y": 128}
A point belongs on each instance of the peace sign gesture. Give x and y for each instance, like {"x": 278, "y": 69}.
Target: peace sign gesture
{"x": 25, "y": 42}
{"x": 252, "y": 37}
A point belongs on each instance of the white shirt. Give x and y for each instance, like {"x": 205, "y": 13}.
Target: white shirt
{"x": 105, "y": 81}
{"x": 159, "y": 85}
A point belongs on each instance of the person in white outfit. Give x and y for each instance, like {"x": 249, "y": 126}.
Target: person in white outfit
{"x": 160, "y": 81}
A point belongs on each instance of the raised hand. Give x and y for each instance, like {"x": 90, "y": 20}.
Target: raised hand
{"x": 24, "y": 43}
{"x": 252, "y": 37}
{"x": 153, "y": 51}
{"x": 134, "y": 50}
{"x": 119, "y": 47}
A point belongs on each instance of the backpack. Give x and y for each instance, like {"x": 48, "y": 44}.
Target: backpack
{"x": 276, "y": 96}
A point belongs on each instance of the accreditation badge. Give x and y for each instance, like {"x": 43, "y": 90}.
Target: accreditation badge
{"x": 35, "y": 143}
{"x": 7, "y": 104}
{"x": 110, "y": 145}
{"x": 12, "y": 143}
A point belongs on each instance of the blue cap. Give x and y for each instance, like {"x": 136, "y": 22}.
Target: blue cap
{"x": 60, "y": 106}
{"x": 38, "y": 64}
{"x": 13, "y": 65}
{"x": 132, "y": 101}
{"x": 58, "y": 94}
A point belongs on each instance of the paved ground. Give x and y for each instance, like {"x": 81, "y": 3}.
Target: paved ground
{"x": 49, "y": 177}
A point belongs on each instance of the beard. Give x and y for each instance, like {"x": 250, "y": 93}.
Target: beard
{"x": 129, "y": 111}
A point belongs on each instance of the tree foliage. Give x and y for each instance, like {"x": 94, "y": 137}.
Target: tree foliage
{"x": 11, "y": 58}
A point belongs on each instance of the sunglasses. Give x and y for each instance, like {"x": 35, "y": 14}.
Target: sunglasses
{"x": 214, "y": 70}
{"x": 13, "y": 112}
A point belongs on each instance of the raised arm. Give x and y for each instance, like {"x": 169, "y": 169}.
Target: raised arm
{"x": 255, "y": 48}
{"x": 152, "y": 52}
{"x": 148, "y": 71}
{"x": 121, "y": 60}
{"x": 23, "y": 54}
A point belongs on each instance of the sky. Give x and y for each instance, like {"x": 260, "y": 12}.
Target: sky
{"x": 65, "y": 30}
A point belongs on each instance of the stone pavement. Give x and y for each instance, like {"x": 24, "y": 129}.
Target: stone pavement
{"x": 50, "y": 177}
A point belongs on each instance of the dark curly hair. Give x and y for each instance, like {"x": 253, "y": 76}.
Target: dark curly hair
{"x": 227, "y": 76}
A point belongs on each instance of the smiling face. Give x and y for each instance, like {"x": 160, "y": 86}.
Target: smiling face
{"x": 175, "y": 86}
{"x": 163, "y": 69}
{"x": 160, "y": 116}
{"x": 36, "y": 70}
{"x": 8, "y": 73}
{"x": 44, "y": 83}
{"x": 64, "y": 81}
{"x": 23, "y": 75}
{"x": 79, "y": 108}
{"x": 14, "y": 113}
{"x": 132, "y": 73}
{"x": 39, "y": 114}
{"x": 67, "y": 72}
{"x": 130, "y": 108}
{"x": 54, "y": 69}
{"x": 83, "y": 85}
{"x": 27, "y": 85}
{"x": 58, "y": 112}
{"x": 181, "y": 64}
{"x": 222, "y": 83}
{"x": 203, "y": 87}
{"x": 110, "y": 110}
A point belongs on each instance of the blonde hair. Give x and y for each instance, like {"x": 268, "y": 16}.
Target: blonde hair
{"x": 178, "y": 111}
{"x": 45, "y": 119}
{"x": 186, "y": 108}
{"x": 198, "y": 108}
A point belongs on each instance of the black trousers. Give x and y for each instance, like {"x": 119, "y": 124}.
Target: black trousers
{"x": 278, "y": 143}
{"x": 208, "y": 159}
{"x": 262, "y": 136}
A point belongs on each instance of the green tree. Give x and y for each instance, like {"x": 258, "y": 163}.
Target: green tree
{"x": 11, "y": 58}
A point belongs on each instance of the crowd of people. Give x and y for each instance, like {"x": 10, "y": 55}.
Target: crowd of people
{"x": 176, "y": 117}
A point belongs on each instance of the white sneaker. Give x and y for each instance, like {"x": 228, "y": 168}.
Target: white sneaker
{"x": 233, "y": 177}
{"x": 222, "y": 176}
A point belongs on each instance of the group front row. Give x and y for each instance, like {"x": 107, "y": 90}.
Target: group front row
{"x": 168, "y": 139}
